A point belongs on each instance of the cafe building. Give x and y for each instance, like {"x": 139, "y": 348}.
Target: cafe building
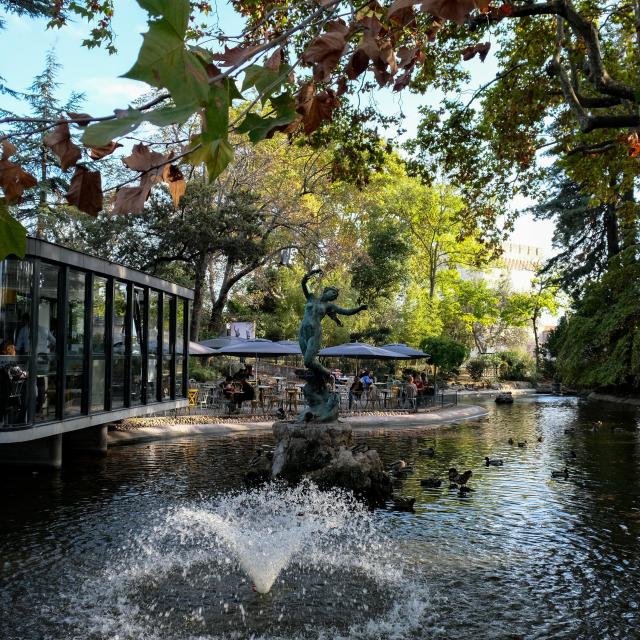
{"x": 84, "y": 342}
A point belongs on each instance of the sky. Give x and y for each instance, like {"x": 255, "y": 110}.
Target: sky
{"x": 25, "y": 42}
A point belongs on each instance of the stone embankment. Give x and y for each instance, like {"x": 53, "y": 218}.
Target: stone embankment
{"x": 138, "y": 430}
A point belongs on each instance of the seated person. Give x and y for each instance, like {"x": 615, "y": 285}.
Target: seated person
{"x": 7, "y": 348}
{"x": 227, "y": 388}
{"x": 410, "y": 391}
{"x": 366, "y": 379}
{"x": 247, "y": 393}
{"x": 419, "y": 383}
{"x": 355, "y": 391}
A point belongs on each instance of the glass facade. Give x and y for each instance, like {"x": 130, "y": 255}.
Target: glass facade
{"x": 76, "y": 341}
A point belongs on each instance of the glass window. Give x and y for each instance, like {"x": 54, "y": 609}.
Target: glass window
{"x": 46, "y": 355}
{"x": 152, "y": 369}
{"x": 74, "y": 360}
{"x": 180, "y": 314}
{"x": 137, "y": 335}
{"x": 168, "y": 345}
{"x": 98, "y": 364}
{"x": 16, "y": 277}
{"x": 119, "y": 345}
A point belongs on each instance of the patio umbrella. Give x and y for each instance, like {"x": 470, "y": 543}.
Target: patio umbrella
{"x": 220, "y": 341}
{"x": 408, "y": 352}
{"x": 361, "y": 351}
{"x": 294, "y": 344}
{"x": 256, "y": 348}
{"x": 197, "y": 349}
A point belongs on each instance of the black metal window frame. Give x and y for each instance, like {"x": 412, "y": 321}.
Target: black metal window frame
{"x": 40, "y": 253}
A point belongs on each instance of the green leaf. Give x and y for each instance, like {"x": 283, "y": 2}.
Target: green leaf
{"x": 259, "y": 128}
{"x": 175, "y": 12}
{"x": 13, "y": 236}
{"x": 215, "y": 155}
{"x": 216, "y": 114}
{"x": 170, "y": 115}
{"x": 232, "y": 90}
{"x": 101, "y": 133}
{"x": 265, "y": 80}
{"x": 164, "y": 61}
{"x": 220, "y": 155}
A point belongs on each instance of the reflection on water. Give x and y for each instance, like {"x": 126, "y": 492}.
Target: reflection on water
{"x": 523, "y": 555}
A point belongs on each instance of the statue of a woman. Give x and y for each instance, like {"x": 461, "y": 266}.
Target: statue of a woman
{"x": 315, "y": 310}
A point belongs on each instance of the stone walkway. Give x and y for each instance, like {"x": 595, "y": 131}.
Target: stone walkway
{"x": 431, "y": 419}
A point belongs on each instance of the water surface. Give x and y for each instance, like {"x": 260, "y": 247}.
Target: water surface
{"x": 110, "y": 548}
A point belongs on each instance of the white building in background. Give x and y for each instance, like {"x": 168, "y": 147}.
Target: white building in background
{"x": 518, "y": 264}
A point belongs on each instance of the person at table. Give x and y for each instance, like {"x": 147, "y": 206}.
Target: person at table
{"x": 355, "y": 391}
{"x": 247, "y": 393}
{"x": 366, "y": 379}
{"x": 227, "y": 387}
{"x": 7, "y": 348}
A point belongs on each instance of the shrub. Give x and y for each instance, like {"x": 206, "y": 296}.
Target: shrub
{"x": 475, "y": 368}
{"x": 516, "y": 365}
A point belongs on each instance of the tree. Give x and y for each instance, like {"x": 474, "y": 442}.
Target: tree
{"x": 475, "y": 368}
{"x": 542, "y": 297}
{"x": 444, "y": 354}
{"x": 592, "y": 75}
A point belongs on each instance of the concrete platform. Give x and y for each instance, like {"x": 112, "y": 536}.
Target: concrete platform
{"x": 369, "y": 423}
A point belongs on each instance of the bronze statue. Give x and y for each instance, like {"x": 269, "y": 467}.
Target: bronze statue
{"x": 323, "y": 404}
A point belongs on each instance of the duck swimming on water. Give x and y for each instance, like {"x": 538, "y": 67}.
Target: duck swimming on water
{"x": 493, "y": 463}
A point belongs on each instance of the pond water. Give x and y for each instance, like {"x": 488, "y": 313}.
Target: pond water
{"x": 160, "y": 541}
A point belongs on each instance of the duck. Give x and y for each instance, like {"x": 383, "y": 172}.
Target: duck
{"x": 464, "y": 490}
{"x": 522, "y": 444}
{"x": 431, "y": 483}
{"x": 402, "y": 473}
{"x": 459, "y": 478}
{"x": 560, "y": 474}
{"x": 429, "y": 452}
{"x": 511, "y": 441}
{"x": 540, "y": 438}
{"x": 397, "y": 465}
{"x": 463, "y": 478}
{"x": 453, "y": 485}
{"x": 497, "y": 462}
{"x": 403, "y": 504}
{"x": 281, "y": 414}
{"x": 452, "y": 474}
{"x": 569, "y": 432}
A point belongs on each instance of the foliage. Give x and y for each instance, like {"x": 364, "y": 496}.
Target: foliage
{"x": 447, "y": 355}
{"x": 600, "y": 344}
{"x": 379, "y": 271}
{"x": 516, "y": 365}
{"x": 475, "y": 368}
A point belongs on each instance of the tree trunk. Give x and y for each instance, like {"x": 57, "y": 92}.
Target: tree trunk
{"x": 42, "y": 200}
{"x": 534, "y": 322}
{"x": 196, "y": 312}
{"x": 611, "y": 230}
{"x": 216, "y": 324}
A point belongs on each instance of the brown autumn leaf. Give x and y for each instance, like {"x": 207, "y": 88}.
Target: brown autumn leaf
{"x": 97, "y": 153}
{"x": 633, "y": 140}
{"x": 400, "y": 5}
{"x": 357, "y": 64}
{"x": 325, "y": 51}
{"x": 81, "y": 119}
{"x": 13, "y": 178}
{"x": 432, "y": 31}
{"x": 59, "y": 141}
{"x": 174, "y": 178}
{"x": 315, "y": 108}
{"x": 132, "y": 199}
{"x": 85, "y": 191}
{"x": 342, "y": 86}
{"x": 234, "y": 56}
{"x": 274, "y": 60}
{"x": 402, "y": 81}
{"x": 407, "y": 56}
{"x": 142, "y": 158}
{"x": 481, "y": 50}
{"x": 456, "y": 10}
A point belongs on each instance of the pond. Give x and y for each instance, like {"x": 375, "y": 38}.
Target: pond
{"x": 161, "y": 541}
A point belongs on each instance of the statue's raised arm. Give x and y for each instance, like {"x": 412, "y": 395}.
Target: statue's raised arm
{"x": 347, "y": 312}
{"x": 306, "y": 279}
